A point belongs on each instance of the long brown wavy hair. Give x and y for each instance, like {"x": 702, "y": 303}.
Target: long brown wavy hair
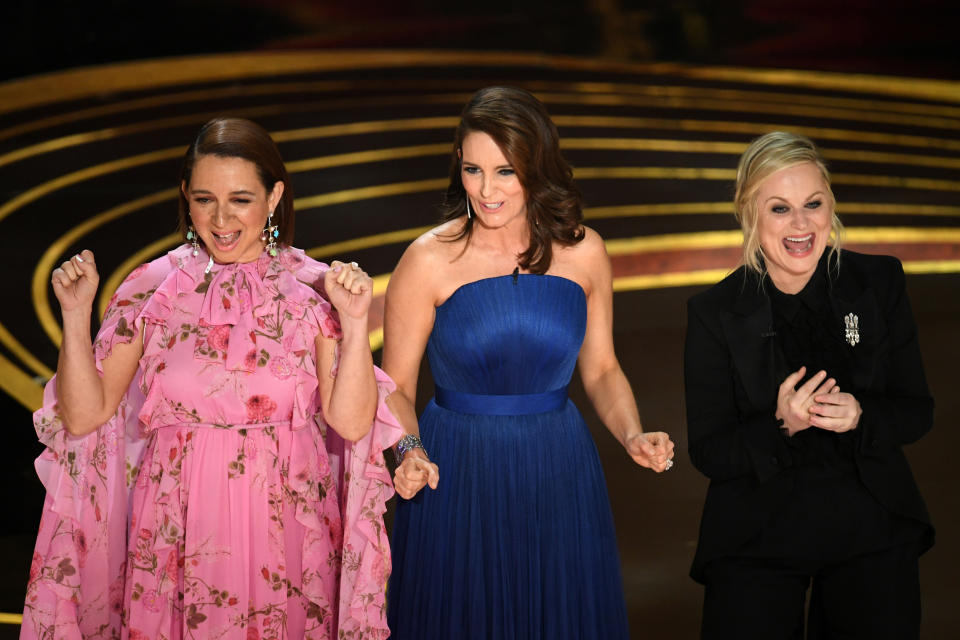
{"x": 521, "y": 127}
{"x": 239, "y": 138}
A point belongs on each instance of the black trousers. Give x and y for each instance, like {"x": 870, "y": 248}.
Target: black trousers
{"x": 875, "y": 596}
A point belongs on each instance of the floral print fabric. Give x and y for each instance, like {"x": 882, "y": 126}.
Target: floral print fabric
{"x": 215, "y": 503}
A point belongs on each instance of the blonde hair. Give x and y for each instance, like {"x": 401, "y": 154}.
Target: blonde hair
{"x": 765, "y": 156}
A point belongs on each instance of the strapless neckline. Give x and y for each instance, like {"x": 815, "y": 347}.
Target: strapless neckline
{"x": 472, "y": 283}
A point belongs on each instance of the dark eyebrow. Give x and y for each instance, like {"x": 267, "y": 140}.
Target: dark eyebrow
{"x": 807, "y": 199}
{"x": 240, "y": 192}
{"x": 473, "y": 164}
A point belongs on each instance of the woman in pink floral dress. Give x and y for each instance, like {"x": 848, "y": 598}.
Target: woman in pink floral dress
{"x": 214, "y": 461}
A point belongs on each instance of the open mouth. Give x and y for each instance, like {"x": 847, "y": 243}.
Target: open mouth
{"x": 799, "y": 245}
{"x": 491, "y": 206}
{"x": 226, "y": 240}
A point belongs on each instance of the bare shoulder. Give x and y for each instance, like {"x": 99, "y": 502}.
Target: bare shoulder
{"x": 423, "y": 264}
{"x": 585, "y": 262}
{"x": 592, "y": 247}
{"x": 589, "y": 253}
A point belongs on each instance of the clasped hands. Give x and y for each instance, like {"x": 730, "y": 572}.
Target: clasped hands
{"x": 818, "y": 402}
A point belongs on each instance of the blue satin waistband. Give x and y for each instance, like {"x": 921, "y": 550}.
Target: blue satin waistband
{"x": 501, "y": 405}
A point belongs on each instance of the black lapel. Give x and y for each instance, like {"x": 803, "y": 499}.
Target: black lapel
{"x": 748, "y": 329}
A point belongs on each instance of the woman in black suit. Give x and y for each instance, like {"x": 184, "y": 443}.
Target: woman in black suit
{"x": 803, "y": 383}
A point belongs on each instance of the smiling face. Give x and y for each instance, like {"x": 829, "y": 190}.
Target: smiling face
{"x": 496, "y": 196}
{"x": 795, "y": 211}
{"x": 229, "y": 207}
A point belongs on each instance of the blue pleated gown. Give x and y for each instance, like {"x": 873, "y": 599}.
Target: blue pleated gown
{"x": 517, "y": 542}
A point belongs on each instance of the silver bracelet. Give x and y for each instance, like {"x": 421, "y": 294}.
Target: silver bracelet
{"x": 406, "y": 443}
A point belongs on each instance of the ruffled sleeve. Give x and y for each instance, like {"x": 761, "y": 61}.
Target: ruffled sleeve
{"x": 76, "y": 576}
{"x": 363, "y": 484}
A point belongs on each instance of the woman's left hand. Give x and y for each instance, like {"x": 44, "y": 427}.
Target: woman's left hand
{"x": 349, "y": 289}
{"x": 651, "y": 449}
{"x": 835, "y": 411}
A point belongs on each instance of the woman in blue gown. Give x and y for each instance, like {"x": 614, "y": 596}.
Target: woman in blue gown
{"x": 505, "y": 297}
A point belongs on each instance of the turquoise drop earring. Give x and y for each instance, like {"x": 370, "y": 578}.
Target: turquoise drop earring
{"x": 270, "y": 234}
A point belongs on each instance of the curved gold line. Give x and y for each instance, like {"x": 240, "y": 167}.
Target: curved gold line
{"x": 112, "y": 283}
{"x": 79, "y": 83}
{"x": 907, "y": 235}
{"x": 65, "y": 142}
{"x": 667, "y": 280}
{"x": 48, "y": 187}
{"x": 674, "y": 242}
{"x": 363, "y": 157}
{"x": 45, "y": 315}
{"x": 668, "y": 101}
{"x": 375, "y": 191}
{"x": 896, "y": 209}
{"x": 733, "y": 238}
{"x": 45, "y": 188}
{"x": 96, "y": 171}
{"x": 11, "y": 618}
{"x": 591, "y": 213}
{"x": 707, "y": 239}
{"x": 754, "y": 128}
{"x": 713, "y": 104}
{"x": 658, "y": 91}
{"x": 22, "y": 354}
{"x": 938, "y": 90}
{"x": 706, "y": 173}
{"x": 883, "y": 157}
{"x": 662, "y": 173}
{"x": 931, "y": 266}
{"x": 39, "y": 284}
{"x": 366, "y": 242}
{"x": 39, "y": 289}
{"x": 741, "y": 95}
{"x": 151, "y": 102}
{"x": 658, "y": 209}
{"x": 921, "y": 184}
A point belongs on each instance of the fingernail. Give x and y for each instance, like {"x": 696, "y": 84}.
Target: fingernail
{"x": 79, "y": 259}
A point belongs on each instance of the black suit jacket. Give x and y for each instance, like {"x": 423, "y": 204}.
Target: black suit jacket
{"x": 731, "y": 393}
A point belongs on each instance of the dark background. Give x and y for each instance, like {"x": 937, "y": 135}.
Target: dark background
{"x": 895, "y": 37}
{"x": 899, "y": 37}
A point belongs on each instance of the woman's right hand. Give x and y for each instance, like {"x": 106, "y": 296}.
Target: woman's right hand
{"x": 793, "y": 405}
{"x": 414, "y": 472}
{"x": 75, "y": 282}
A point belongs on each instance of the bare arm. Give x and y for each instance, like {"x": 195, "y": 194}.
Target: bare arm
{"x": 86, "y": 399}
{"x": 603, "y": 378}
{"x": 408, "y": 321}
{"x": 349, "y": 399}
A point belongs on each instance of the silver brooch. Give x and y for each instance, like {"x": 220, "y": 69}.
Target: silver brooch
{"x": 853, "y": 328}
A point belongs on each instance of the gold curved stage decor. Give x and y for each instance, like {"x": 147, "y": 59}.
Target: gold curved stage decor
{"x": 89, "y": 158}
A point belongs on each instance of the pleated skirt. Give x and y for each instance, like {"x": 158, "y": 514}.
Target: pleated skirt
{"x": 517, "y": 541}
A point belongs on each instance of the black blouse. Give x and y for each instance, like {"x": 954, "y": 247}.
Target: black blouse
{"x": 831, "y": 514}
{"x": 808, "y": 334}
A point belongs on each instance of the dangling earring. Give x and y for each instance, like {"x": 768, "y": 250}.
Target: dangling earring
{"x": 270, "y": 234}
{"x": 469, "y": 213}
{"x": 192, "y": 237}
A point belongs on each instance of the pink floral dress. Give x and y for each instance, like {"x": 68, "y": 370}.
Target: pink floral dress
{"x": 215, "y": 503}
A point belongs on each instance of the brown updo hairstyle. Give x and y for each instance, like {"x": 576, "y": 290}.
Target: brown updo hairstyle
{"x": 239, "y": 138}
{"x": 765, "y": 156}
{"x": 521, "y": 127}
